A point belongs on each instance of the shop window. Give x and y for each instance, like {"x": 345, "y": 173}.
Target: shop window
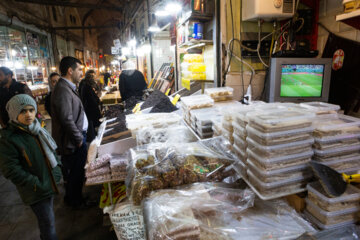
{"x": 54, "y": 14}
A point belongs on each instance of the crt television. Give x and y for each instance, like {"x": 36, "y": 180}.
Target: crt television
{"x": 299, "y": 80}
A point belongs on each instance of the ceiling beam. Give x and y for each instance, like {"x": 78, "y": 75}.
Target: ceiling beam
{"x": 85, "y": 27}
{"x": 71, "y": 4}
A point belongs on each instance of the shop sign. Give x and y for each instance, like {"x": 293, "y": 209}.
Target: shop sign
{"x": 115, "y": 50}
{"x": 338, "y": 59}
{"x": 117, "y": 43}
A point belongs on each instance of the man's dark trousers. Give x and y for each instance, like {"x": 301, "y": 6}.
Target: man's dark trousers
{"x": 74, "y": 174}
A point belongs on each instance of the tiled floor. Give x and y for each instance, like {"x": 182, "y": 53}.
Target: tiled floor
{"x": 17, "y": 221}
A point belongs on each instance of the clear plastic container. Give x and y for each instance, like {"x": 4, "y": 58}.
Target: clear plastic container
{"x": 341, "y": 126}
{"x": 239, "y": 130}
{"x": 321, "y": 107}
{"x": 313, "y": 220}
{"x": 337, "y": 138}
{"x": 204, "y": 130}
{"x": 337, "y": 144}
{"x": 279, "y": 174}
{"x": 205, "y": 135}
{"x": 280, "y": 149}
{"x": 280, "y": 120}
{"x": 278, "y": 187}
{"x": 240, "y": 143}
{"x": 333, "y": 152}
{"x": 272, "y": 163}
{"x": 193, "y": 58}
{"x": 344, "y": 164}
{"x": 223, "y": 98}
{"x": 217, "y": 92}
{"x": 282, "y": 137}
{"x": 331, "y": 218}
{"x": 242, "y": 155}
{"x": 197, "y": 101}
{"x": 350, "y": 199}
{"x": 228, "y": 126}
{"x": 197, "y": 67}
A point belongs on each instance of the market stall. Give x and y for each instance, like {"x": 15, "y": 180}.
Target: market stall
{"x": 218, "y": 169}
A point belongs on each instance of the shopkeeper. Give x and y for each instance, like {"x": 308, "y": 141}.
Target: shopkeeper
{"x": 9, "y": 87}
{"x": 131, "y": 82}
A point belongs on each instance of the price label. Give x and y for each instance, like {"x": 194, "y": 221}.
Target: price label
{"x": 167, "y": 92}
{"x": 136, "y": 108}
{"x": 185, "y": 83}
{"x": 176, "y": 99}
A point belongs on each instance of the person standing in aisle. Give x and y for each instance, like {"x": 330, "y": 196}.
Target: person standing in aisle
{"x": 89, "y": 90}
{"x": 131, "y": 82}
{"x": 9, "y": 87}
{"x": 53, "y": 79}
{"x": 28, "y": 158}
{"x": 69, "y": 126}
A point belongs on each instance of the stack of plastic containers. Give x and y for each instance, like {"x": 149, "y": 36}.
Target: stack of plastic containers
{"x": 337, "y": 143}
{"x": 322, "y": 110}
{"x": 220, "y": 94}
{"x": 279, "y": 148}
{"x": 194, "y": 102}
{"x": 201, "y": 121}
{"x": 193, "y": 67}
{"x": 327, "y": 212}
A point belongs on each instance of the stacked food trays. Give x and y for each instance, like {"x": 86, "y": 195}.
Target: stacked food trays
{"x": 279, "y": 145}
{"x": 337, "y": 143}
{"x": 194, "y": 102}
{"x": 201, "y": 121}
{"x": 328, "y": 212}
{"x": 220, "y": 94}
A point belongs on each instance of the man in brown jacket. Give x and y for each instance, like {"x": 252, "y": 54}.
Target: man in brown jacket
{"x": 69, "y": 126}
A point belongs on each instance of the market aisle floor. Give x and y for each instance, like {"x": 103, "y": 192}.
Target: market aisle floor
{"x": 17, "y": 221}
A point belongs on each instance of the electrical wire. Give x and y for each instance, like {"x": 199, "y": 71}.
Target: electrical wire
{"x": 259, "y": 44}
{"x": 232, "y": 47}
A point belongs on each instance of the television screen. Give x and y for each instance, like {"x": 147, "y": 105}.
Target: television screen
{"x": 300, "y": 80}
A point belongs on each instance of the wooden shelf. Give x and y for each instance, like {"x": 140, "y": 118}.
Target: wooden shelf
{"x": 193, "y": 43}
{"x": 351, "y": 18}
{"x": 197, "y": 17}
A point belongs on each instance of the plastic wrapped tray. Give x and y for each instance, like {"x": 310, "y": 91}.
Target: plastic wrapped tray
{"x": 317, "y": 223}
{"x": 350, "y": 199}
{"x": 159, "y": 166}
{"x": 228, "y": 135}
{"x": 343, "y": 125}
{"x": 221, "y": 91}
{"x": 197, "y": 101}
{"x": 280, "y": 149}
{"x": 321, "y": 107}
{"x": 279, "y": 174}
{"x": 333, "y": 152}
{"x": 332, "y": 218}
{"x": 239, "y": 131}
{"x": 267, "y": 163}
{"x": 283, "y": 187}
{"x": 282, "y": 137}
{"x": 280, "y": 120}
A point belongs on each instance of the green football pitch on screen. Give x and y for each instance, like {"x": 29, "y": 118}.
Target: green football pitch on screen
{"x": 301, "y": 80}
